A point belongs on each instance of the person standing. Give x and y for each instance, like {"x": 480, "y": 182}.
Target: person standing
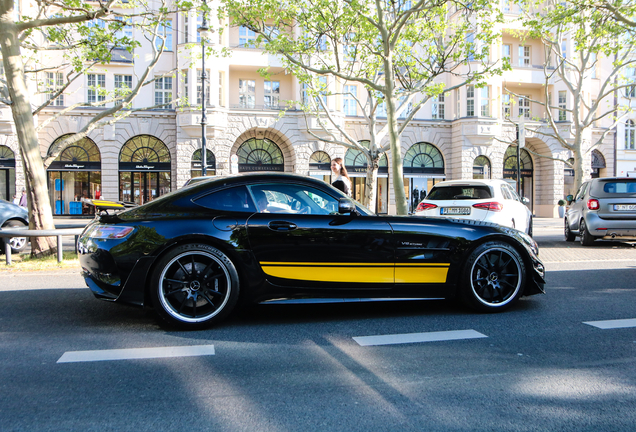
{"x": 342, "y": 181}
{"x": 23, "y": 199}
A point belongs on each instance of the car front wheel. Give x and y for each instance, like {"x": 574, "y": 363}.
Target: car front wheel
{"x": 586, "y": 238}
{"x": 194, "y": 286}
{"x": 493, "y": 278}
{"x": 17, "y": 243}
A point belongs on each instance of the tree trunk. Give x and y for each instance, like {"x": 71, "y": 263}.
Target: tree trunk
{"x": 401, "y": 207}
{"x": 370, "y": 189}
{"x": 40, "y": 214}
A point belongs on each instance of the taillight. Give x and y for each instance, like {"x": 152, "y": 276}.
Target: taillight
{"x": 593, "y": 204}
{"x": 425, "y": 206}
{"x": 492, "y": 206}
{"x": 100, "y": 231}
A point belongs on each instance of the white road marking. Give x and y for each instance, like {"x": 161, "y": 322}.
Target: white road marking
{"x": 418, "y": 337}
{"x": 136, "y": 353}
{"x": 613, "y": 324}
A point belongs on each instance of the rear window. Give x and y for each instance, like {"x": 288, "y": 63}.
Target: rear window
{"x": 619, "y": 187}
{"x": 459, "y": 192}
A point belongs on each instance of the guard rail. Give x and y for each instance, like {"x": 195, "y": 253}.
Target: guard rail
{"x": 25, "y": 232}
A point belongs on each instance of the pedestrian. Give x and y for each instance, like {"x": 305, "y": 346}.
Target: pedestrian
{"x": 342, "y": 181}
{"x": 23, "y": 199}
{"x": 16, "y": 199}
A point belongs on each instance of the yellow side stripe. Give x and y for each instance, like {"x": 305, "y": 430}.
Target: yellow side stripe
{"x": 358, "y": 272}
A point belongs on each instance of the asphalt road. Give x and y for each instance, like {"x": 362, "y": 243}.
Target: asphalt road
{"x": 544, "y": 366}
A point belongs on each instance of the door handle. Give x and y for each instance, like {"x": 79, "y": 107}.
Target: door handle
{"x": 282, "y": 226}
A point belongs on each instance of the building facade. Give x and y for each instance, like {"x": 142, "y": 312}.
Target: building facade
{"x": 463, "y": 134}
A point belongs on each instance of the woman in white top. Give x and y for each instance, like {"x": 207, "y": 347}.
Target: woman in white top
{"x": 341, "y": 181}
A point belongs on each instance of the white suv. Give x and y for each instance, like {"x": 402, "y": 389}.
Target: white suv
{"x": 483, "y": 200}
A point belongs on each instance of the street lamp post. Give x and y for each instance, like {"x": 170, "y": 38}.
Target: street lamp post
{"x": 204, "y": 120}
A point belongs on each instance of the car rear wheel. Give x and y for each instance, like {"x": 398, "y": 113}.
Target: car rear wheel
{"x": 17, "y": 243}
{"x": 586, "y": 238}
{"x": 493, "y": 278}
{"x": 569, "y": 235}
{"x": 194, "y": 286}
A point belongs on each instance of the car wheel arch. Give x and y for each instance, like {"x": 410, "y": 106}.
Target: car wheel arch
{"x": 521, "y": 250}
{"x": 190, "y": 239}
{"x": 17, "y": 219}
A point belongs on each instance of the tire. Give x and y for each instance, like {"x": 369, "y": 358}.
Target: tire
{"x": 586, "y": 238}
{"x": 569, "y": 235}
{"x": 18, "y": 244}
{"x": 493, "y": 278}
{"x": 194, "y": 286}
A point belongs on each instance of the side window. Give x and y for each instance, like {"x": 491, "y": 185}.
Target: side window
{"x": 292, "y": 199}
{"x": 513, "y": 192}
{"x": 236, "y": 199}
{"x": 505, "y": 192}
{"x": 581, "y": 193}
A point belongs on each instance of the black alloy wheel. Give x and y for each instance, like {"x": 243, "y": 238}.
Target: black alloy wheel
{"x": 194, "y": 286}
{"x": 569, "y": 235}
{"x": 586, "y": 238}
{"x": 493, "y": 278}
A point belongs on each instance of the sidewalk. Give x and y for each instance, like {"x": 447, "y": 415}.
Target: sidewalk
{"x": 548, "y": 223}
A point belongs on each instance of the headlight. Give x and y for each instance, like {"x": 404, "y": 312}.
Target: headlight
{"x": 100, "y": 231}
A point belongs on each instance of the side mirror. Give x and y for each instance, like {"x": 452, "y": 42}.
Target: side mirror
{"x": 569, "y": 199}
{"x": 345, "y": 205}
{"x": 525, "y": 200}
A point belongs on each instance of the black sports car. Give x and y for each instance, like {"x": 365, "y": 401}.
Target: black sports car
{"x": 194, "y": 253}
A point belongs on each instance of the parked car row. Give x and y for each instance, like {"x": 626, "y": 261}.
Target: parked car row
{"x": 480, "y": 200}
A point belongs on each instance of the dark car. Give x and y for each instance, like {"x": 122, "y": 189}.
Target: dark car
{"x": 194, "y": 253}
{"x": 603, "y": 208}
{"x": 13, "y": 216}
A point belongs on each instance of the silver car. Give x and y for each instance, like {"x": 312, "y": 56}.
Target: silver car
{"x": 603, "y": 208}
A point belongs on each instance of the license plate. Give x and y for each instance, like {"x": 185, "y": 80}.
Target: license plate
{"x": 625, "y": 207}
{"x": 455, "y": 210}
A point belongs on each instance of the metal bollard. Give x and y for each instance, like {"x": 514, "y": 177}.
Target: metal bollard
{"x": 7, "y": 250}
{"x": 60, "y": 254}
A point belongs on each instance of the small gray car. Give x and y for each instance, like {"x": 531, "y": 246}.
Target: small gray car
{"x": 13, "y": 216}
{"x": 603, "y": 208}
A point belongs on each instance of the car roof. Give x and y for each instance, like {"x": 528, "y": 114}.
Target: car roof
{"x": 471, "y": 182}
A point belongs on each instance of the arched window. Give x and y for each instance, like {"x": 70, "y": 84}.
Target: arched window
{"x": 210, "y": 160}
{"x": 510, "y": 162}
{"x": 598, "y": 163}
{"x": 319, "y": 160}
{"x": 144, "y": 149}
{"x": 144, "y": 169}
{"x": 260, "y": 155}
{"x": 423, "y": 158}
{"x": 630, "y": 135}
{"x": 481, "y": 168}
{"x": 356, "y": 162}
{"x": 74, "y": 176}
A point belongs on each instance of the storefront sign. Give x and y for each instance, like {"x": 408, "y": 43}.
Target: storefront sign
{"x": 75, "y": 166}
{"x": 513, "y": 172}
{"x": 141, "y": 167}
{"x": 253, "y": 168}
